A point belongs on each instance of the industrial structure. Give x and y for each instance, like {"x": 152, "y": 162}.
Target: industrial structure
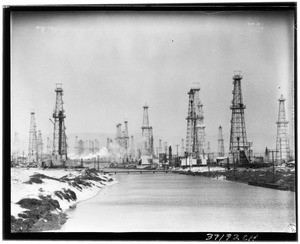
{"x": 49, "y": 146}
{"x": 221, "y": 151}
{"x": 85, "y": 148}
{"x": 32, "y": 147}
{"x": 132, "y": 149}
{"x": 166, "y": 147}
{"x": 40, "y": 147}
{"x": 282, "y": 141}
{"x": 16, "y": 146}
{"x": 292, "y": 145}
{"x": 122, "y": 139}
{"x": 147, "y": 139}
{"x": 59, "y": 151}
{"x": 238, "y": 147}
{"x": 195, "y": 137}
{"x": 160, "y": 146}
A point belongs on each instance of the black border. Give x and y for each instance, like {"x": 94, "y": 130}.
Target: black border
{"x": 137, "y": 236}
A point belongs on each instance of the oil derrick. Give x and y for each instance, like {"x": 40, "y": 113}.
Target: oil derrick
{"x": 159, "y": 147}
{"x": 132, "y": 151}
{"x": 90, "y": 147}
{"x": 40, "y": 146}
{"x": 59, "y": 137}
{"x": 208, "y": 148}
{"x": 76, "y": 145}
{"x": 49, "y": 146}
{"x": 221, "y": 151}
{"x": 166, "y": 147}
{"x": 170, "y": 153}
{"x": 238, "y": 140}
{"x": 16, "y": 146}
{"x": 80, "y": 147}
{"x": 96, "y": 146}
{"x": 292, "y": 146}
{"x": 107, "y": 143}
{"x": 147, "y": 136}
{"x": 126, "y": 136}
{"x": 86, "y": 147}
{"x": 182, "y": 147}
{"x": 282, "y": 141}
{"x": 119, "y": 134}
{"x": 195, "y": 137}
{"x": 32, "y": 149}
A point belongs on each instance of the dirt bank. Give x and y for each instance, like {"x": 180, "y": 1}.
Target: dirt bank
{"x": 284, "y": 178}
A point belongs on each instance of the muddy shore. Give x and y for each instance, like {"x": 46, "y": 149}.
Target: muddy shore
{"x": 283, "y": 178}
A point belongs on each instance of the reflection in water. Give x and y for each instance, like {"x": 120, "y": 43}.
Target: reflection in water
{"x": 172, "y": 202}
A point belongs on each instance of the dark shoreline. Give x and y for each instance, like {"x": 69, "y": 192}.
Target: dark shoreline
{"x": 263, "y": 177}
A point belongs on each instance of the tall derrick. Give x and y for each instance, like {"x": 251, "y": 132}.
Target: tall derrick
{"x": 76, "y": 145}
{"x": 195, "y": 137}
{"x": 282, "y": 141}
{"x": 49, "y": 146}
{"x": 40, "y": 146}
{"x": 147, "y": 134}
{"x": 32, "y": 147}
{"x": 119, "y": 134}
{"x": 132, "y": 150}
{"x": 126, "y": 136}
{"x": 238, "y": 140}
{"x": 80, "y": 147}
{"x": 166, "y": 147}
{"x": 182, "y": 147}
{"x": 160, "y": 147}
{"x": 292, "y": 145}
{"x": 221, "y": 151}
{"x": 16, "y": 145}
{"x": 59, "y": 136}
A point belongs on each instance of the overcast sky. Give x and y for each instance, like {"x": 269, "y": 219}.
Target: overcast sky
{"x": 110, "y": 64}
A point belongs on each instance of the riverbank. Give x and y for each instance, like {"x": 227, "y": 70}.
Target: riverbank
{"x": 284, "y": 178}
{"x": 40, "y": 198}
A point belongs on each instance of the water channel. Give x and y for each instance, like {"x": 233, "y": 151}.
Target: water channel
{"x": 182, "y": 203}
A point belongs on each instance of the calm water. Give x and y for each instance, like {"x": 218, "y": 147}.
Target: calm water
{"x": 172, "y": 202}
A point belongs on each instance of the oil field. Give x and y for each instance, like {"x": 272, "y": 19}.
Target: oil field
{"x": 191, "y": 113}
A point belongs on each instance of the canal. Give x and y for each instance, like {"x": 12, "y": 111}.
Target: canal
{"x": 182, "y": 203}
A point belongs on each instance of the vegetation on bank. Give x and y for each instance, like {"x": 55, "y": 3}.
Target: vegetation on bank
{"x": 282, "y": 179}
{"x": 45, "y": 213}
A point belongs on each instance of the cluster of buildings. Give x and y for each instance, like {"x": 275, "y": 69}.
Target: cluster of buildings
{"x": 86, "y": 147}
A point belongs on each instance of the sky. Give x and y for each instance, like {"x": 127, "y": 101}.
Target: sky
{"x": 112, "y": 63}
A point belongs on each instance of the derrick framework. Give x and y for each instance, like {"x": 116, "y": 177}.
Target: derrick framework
{"x": 238, "y": 146}
{"x": 59, "y": 151}
{"x": 195, "y": 137}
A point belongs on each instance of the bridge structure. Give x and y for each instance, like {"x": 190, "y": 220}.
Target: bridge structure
{"x": 132, "y": 171}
